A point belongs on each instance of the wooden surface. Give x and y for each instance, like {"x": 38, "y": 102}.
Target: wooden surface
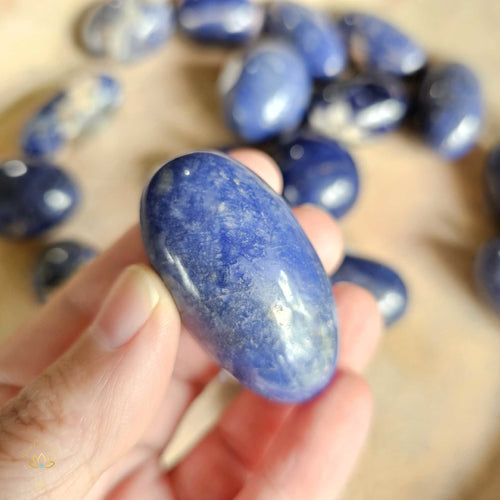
{"x": 436, "y": 379}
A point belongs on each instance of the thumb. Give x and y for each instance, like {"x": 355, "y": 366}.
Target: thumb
{"x": 94, "y": 403}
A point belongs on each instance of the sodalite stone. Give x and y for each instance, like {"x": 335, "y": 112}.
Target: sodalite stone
{"x": 128, "y": 30}
{"x": 34, "y": 198}
{"x": 450, "y": 110}
{"x": 487, "y": 271}
{"x": 318, "y": 170}
{"x": 381, "y": 281}
{"x": 221, "y": 21}
{"x": 366, "y": 106}
{"x": 492, "y": 179}
{"x": 265, "y": 91}
{"x": 377, "y": 45}
{"x": 57, "y": 263}
{"x": 85, "y": 101}
{"x": 246, "y": 279}
{"x": 318, "y": 40}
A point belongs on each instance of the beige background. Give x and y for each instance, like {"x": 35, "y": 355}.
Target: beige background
{"x": 436, "y": 379}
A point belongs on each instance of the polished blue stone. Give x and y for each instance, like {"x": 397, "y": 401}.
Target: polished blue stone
{"x": 56, "y": 263}
{"x": 265, "y": 91}
{"x": 316, "y": 38}
{"x": 487, "y": 271}
{"x": 492, "y": 179}
{"x": 69, "y": 113}
{"x": 351, "y": 111}
{"x": 318, "y": 170}
{"x": 127, "y": 30}
{"x": 450, "y": 110}
{"x": 244, "y": 275}
{"x": 34, "y": 198}
{"x": 377, "y": 45}
{"x": 221, "y": 21}
{"x": 381, "y": 281}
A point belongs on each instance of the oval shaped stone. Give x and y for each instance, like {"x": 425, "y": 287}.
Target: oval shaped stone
{"x": 56, "y": 263}
{"x": 367, "y": 106}
{"x": 34, "y": 198}
{"x": 318, "y": 170}
{"x": 450, "y": 110}
{"x": 492, "y": 179}
{"x": 85, "y": 101}
{"x": 487, "y": 272}
{"x": 221, "y": 21}
{"x": 128, "y": 30}
{"x": 315, "y": 37}
{"x": 377, "y": 45}
{"x": 265, "y": 91}
{"x": 381, "y": 281}
{"x": 245, "y": 278}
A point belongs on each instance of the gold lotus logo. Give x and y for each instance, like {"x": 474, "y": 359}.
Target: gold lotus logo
{"x": 41, "y": 461}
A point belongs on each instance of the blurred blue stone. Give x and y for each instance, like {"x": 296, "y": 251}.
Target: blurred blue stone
{"x": 377, "y": 45}
{"x": 221, "y": 21}
{"x": 127, "y": 30}
{"x": 318, "y": 170}
{"x": 265, "y": 91}
{"x": 354, "y": 110}
{"x": 56, "y": 263}
{"x": 487, "y": 271}
{"x": 34, "y": 198}
{"x": 492, "y": 179}
{"x": 74, "y": 110}
{"x": 381, "y": 281}
{"x": 450, "y": 110}
{"x": 245, "y": 277}
{"x": 315, "y": 37}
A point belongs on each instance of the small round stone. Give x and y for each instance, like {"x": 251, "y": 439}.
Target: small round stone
{"x": 375, "y": 44}
{"x": 492, "y": 179}
{"x": 71, "y": 112}
{"x": 127, "y": 30}
{"x": 450, "y": 110}
{"x": 265, "y": 91}
{"x": 57, "y": 263}
{"x": 318, "y": 170}
{"x": 34, "y": 198}
{"x": 366, "y": 106}
{"x": 381, "y": 281}
{"x": 315, "y": 37}
{"x": 487, "y": 272}
{"x": 225, "y": 22}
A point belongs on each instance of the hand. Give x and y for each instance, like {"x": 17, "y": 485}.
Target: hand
{"x": 105, "y": 371}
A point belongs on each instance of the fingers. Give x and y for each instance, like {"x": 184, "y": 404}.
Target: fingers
{"x": 360, "y": 325}
{"x": 95, "y": 402}
{"x": 317, "y": 447}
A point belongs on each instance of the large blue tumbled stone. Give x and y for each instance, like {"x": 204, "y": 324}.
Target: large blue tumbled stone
{"x": 377, "y": 45}
{"x": 381, "y": 281}
{"x": 34, "y": 198}
{"x": 366, "y": 106}
{"x": 492, "y": 179}
{"x": 487, "y": 271}
{"x": 246, "y": 279}
{"x": 318, "y": 170}
{"x": 221, "y": 21}
{"x": 127, "y": 30}
{"x": 450, "y": 110}
{"x": 56, "y": 263}
{"x": 72, "y": 111}
{"x": 265, "y": 91}
{"x": 317, "y": 39}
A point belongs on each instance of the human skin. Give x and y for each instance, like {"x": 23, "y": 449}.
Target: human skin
{"x": 105, "y": 371}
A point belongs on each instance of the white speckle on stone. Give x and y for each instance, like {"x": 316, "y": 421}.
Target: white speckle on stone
{"x": 14, "y": 168}
{"x": 57, "y": 200}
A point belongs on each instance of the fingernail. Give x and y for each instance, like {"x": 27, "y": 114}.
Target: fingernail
{"x": 128, "y": 305}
